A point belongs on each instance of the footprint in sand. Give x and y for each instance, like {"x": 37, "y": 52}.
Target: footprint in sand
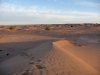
{"x": 32, "y": 62}
{"x": 42, "y": 69}
{"x": 39, "y": 60}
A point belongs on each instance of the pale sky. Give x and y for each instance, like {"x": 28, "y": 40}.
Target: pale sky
{"x": 49, "y": 11}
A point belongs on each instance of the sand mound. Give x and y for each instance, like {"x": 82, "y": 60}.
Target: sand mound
{"x": 71, "y": 51}
{"x": 57, "y": 58}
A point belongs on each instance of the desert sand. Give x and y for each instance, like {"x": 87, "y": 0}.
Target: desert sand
{"x": 68, "y": 51}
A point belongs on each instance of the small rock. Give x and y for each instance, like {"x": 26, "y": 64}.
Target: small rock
{"x": 7, "y": 54}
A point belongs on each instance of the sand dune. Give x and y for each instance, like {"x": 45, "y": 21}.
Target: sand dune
{"x": 53, "y": 58}
{"x": 71, "y": 50}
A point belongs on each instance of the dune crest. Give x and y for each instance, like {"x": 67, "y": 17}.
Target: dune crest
{"x": 66, "y": 46}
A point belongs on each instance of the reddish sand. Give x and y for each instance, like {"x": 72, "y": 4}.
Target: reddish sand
{"x": 50, "y": 52}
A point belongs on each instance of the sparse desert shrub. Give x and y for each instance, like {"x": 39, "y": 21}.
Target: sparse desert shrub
{"x": 71, "y": 25}
{"x": 47, "y": 28}
{"x": 12, "y": 28}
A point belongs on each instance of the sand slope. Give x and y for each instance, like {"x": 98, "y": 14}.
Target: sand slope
{"x": 53, "y": 58}
{"x": 22, "y": 60}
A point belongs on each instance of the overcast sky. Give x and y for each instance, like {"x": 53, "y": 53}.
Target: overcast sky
{"x": 49, "y": 11}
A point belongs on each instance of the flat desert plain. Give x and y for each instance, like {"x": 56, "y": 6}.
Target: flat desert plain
{"x": 50, "y": 50}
